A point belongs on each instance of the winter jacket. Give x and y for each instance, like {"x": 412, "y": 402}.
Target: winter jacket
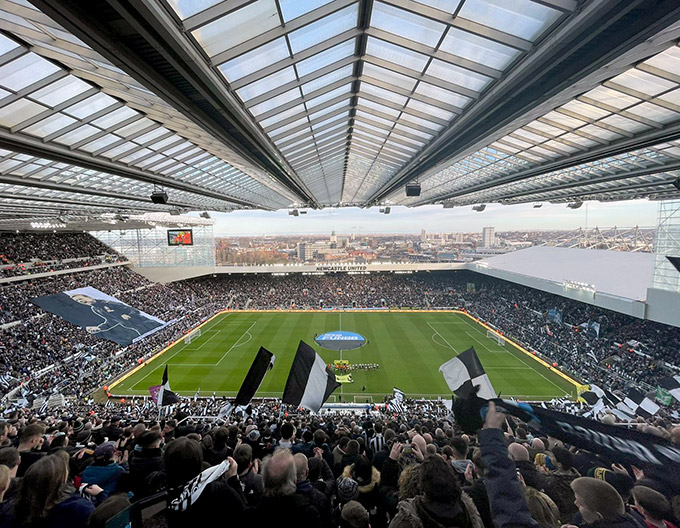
{"x": 506, "y": 497}
{"x": 421, "y": 513}
{"x": 369, "y": 496}
{"x": 622, "y": 521}
{"x": 72, "y": 512}
{"x": 557, "y": 487}
{"x": 142, "y": 464}
{"x": 106, "y": 477}
{"x": 290, "y": 510}
{"x": 318, "y": 500}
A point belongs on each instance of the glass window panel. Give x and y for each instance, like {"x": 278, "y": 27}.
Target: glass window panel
{"x": 413, "y": 131}
{"x": 48, "y": 126}
{"x": 289, "y": 126}
{"x": 388, "y": 123}
{"x": 443, "y": 5}
{"x": 299, "y": 109}
{"x": 601, "y": 133}
{"x": 237, "y": 27}
{"x": 564, "y": 120}
{"x": 90, "y": 106}
{"x": 329, "y": 95}
{"x": 534, "y": 138}
{"x": 255, "y": 60}
{"x": 445, "y": 96}
{"x": 24, "y": 71}
{"x": 380, "y": 108}
{"x": 585, "y": 110}
{"x": 187, "y": 8}
{"x": 323, "y": 59}
{"x": 113, "y": 118}
{"x": 7, "y": 44}
{"x": 135, "y": 127}
{"x": 275, "y": 102}
{"x": 422, "y": 122}
{"x": 269, "y": 83}
{"x": 406, "y": 24}
{"x": 668, "y": 60}
{"x": 522, "y": 18}
{"x": 323, "y": 29}
{"x": 396, "y": 54}
{"x": 100, "y": 143}
{"x": 458, "y": 76}
{"x": 643, "y": 82}
{"x": 329, "y": 78}
{"x": 150, "y": 136}
{"x": 428, "y": 109}
{"x": 18, "y": 112}
{"x": 567, "y": 149}
{"x": 383, "y": 94}
{"x": 177, "y": 148}
{"x": 135, "y": 155}
{"x": 625, "y": 124}
{"x": 333, "y": 119}
{"x": 388, "y": 76}
{"x": 327, "y": 110}
{"x": 160, "y": 145}
{"x": 672, "y": 97}
{"x": 60, "y": 91}
{"x": 611, "y": 97}
{"x": 77, "y": 135}
{"x": 478, "y": 49}
{"x": 654, "y": 113}
{"x": 291, "y": 9}
{"x": 543, "y": 127}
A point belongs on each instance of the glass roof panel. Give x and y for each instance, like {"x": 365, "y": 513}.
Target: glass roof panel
{"x": 90, "y": 106}
{"x": 429, "y": 110}
{"x": 275, "y": 102}
{"x": 445, "y": 96}
{"x": 443, "y": 5}
{"x": 522, "y": 18}
{"x": 48, "y": 126}
{"x": 77, "y": 135}
{"x": 329, "y": 26}
{"x": 388, "y": 76}
{"x": 60, "y": 91}
{"x": 237, "y": 27}
{"x": 324, "y": 58}
{"x": 668, "y": 60}
{"x": 478, "y": 49}
{"x": 672, "y": 97}
{"x": 18, "y": 112}
{"x": 406, "y": 24}
{"x": 299, "y": 109}
{"x": 329, "y": 95}
{"x": 643, "y": 82}
{"x": 624, "y": 123}
{"x": 100, "y": 143}
{"x": 396, "y": 54}
{"x": 291, "y": 9}
{"x": 585, "y": 110}
{"x": 135, "y": 127}
{"x": 611, "y": 97}
{"x": 325, "y": 80}
{"x": 367, "y": 88}
{"x": 458, "y": 76}
{"x": 117, "y": 116}
{"x": 422, "y": 122}
{"x": 380, "y": 108}
{"x": 186, "y": 8}
{"x": 267, "y": 84}
{"x": 654, "y": 113}
{"x": 24, "y": 71}
{"x": 7, "y": 44}
{"x": 255, "y": 60}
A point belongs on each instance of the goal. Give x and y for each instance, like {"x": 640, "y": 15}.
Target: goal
{"x": 495, "y": 337}
{"x": 193, "y": 335}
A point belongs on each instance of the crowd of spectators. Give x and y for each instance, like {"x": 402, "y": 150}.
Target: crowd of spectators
{"x": 279, "y": 466}
{"x": 31, "y": 253}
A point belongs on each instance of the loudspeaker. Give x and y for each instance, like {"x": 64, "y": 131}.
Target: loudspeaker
{"x": 159, "y": 197}
{"x": 413, "y": 189}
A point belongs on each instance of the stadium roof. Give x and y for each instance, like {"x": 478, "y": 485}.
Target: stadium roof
{"x": 618, "y": 273}
{"x": 289, "y": 103}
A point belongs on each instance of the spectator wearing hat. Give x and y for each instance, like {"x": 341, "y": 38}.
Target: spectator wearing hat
{"x": 368, "y": 479}
{"x": 600, "y": 505}
{"x": 653, "y": 506}
{"x": 145, "y": 459}
{"x": 354, "y": 515}
{"x": 558, "y": 480}
{"x": 105, "y": 471}
{"x": 347, "y": 491}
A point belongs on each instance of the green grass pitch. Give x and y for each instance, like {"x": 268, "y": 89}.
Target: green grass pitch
{"x": 409, "y": 347}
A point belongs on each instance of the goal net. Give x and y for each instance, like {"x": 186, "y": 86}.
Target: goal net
{"x": 495, "y": 337}
{"x": 192, "y": 336}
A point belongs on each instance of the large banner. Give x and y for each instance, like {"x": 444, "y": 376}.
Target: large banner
{"x": 101, "y": 315}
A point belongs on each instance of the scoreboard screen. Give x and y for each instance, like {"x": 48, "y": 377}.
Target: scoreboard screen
{"x": 180, "y": 237}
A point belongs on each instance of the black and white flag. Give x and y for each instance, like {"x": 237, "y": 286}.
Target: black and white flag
{"x": 310, "y": 381}
{"x": 43, "y": 407}
{"x": 672, "y": 385}
{"x": 165, "y": 395}
{"x": 464, "y": 372}
{"x": 640, "y": 404}
{"x": 397, "y": 401}
{"x": 6, "y": 380}
{"x": 262, "y": 364}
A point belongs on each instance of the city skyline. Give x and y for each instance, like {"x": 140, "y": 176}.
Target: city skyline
{"x": 401, "y": 220}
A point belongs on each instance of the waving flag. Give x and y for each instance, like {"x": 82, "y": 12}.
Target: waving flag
{"x": 162, "y": 394}
{"x": 310, "y": 381}
{"x": 464, "y": 372}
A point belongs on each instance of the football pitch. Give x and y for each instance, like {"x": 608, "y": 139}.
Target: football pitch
{"x": 409, "y": 347}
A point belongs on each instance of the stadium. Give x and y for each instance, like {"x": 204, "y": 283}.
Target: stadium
{"x": 430, "y": 381}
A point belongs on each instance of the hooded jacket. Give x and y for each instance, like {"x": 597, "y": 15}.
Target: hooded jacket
{"x": 421, "y": 513}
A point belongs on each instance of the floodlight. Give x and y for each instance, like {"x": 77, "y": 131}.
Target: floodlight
{"x": 448, "y": 205}
{"x": 159, "y": 197}
{"x": 479, "y": 208}
{"x": 574, "y": 205}
{"x": 294, "y": 212}
{"x": 205, "y": 214}
{"x": 413, "y": 189}
{"x": 387, "y": 210}
{"x": 538, "y": 205}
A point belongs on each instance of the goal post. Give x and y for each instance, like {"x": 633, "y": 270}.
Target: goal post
{"x": 192, "y": 336}
{"x": 496, "y": 337}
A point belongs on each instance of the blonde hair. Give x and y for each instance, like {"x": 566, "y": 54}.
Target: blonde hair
{"x": 4, "y": 478}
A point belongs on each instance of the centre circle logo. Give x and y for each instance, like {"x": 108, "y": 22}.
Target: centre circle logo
{"x": 340, "y": 340}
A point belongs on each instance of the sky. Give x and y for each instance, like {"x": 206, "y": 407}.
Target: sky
{"x": 436, "y": 219}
